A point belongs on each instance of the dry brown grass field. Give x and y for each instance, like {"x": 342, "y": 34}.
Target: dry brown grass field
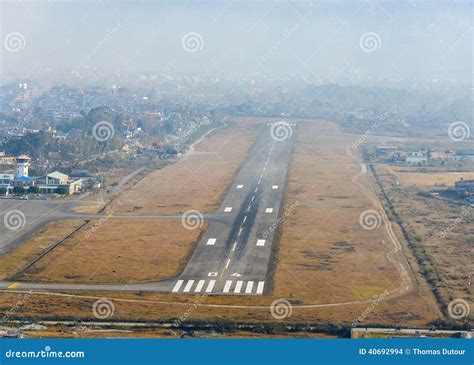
{"x": 412, "y": 176}
{"x": 444, "y": 230}
{"x": 199, "y": 180}
{"x": 117, "y": 251}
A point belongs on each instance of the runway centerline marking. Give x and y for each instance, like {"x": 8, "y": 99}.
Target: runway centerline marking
{"x": 211, "y": 241}
{"x": 240, "y": 232}
{"x": 256, "y": 189}
{"x": 227, "y": 264}
{"x": 235, "y": 245}
{"x": 245, "y": 218}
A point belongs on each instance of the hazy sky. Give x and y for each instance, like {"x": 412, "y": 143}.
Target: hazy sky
{"x": 362, "y": 40}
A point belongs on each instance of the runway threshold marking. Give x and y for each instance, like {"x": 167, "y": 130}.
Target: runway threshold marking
{"x": 238, "y": 286}
{"x": 248, "y": 290}
{"x": 210, "y": 286}
{"x": 260, "y": 287}
{"x": 227, "y": 285}
{"x": 188, "y": 286}
{"x": 199, "y": 286}
{"x": 177, "y": 286}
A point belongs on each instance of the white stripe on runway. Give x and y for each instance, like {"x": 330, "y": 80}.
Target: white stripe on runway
{"x": 199, "y": 286}
{"x": 260, "y": 287}
{"x": 275, "y": 187}
{"x": 211, "y": 241}
{"x": 228, "y": 209}
{"x": 269, "y": 210}
{"x": 177, "y": 286}
{"x": 248, "y": 290}
{"x": 210, "y": 286}
{"x": 188, "y": 286}
{"x": 260, "y": 242}
{"x": 240, "y": 186}
{"x": 227, "y": 285}
{"x": 238, "y": 286}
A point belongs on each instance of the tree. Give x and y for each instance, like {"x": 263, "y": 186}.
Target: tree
{"x": 34, "y": 190}
{"x": 19, "y": 190}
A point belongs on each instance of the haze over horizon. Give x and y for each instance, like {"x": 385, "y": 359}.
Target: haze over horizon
{"x": 314, "y": 40}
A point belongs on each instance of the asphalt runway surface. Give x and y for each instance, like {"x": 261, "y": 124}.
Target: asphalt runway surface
{"x": 232, "y": 257}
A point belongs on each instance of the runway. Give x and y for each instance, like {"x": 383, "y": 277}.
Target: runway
{"x": 233, "y": 256}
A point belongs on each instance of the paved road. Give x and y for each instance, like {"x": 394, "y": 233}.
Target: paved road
{"x": 234, "y": 254}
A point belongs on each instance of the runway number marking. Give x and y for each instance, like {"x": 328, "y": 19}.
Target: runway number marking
{"x": 211, "y": 241}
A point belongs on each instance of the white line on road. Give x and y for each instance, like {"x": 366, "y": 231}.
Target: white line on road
{"x": 188, "y": 286}
{"x": 211, "y": 241}
{"x": 199, "y": 286}
{"x": 248, "y": 290}
{"x": 238, "y": 286}
{"x": 210, "y": 286}
{"x": 260, "y": 287}
{"x": 177, "y": 286}
{"x": 227, "y": 285}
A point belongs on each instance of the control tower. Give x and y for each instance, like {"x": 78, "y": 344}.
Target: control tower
{"x": 22, "y": 164}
